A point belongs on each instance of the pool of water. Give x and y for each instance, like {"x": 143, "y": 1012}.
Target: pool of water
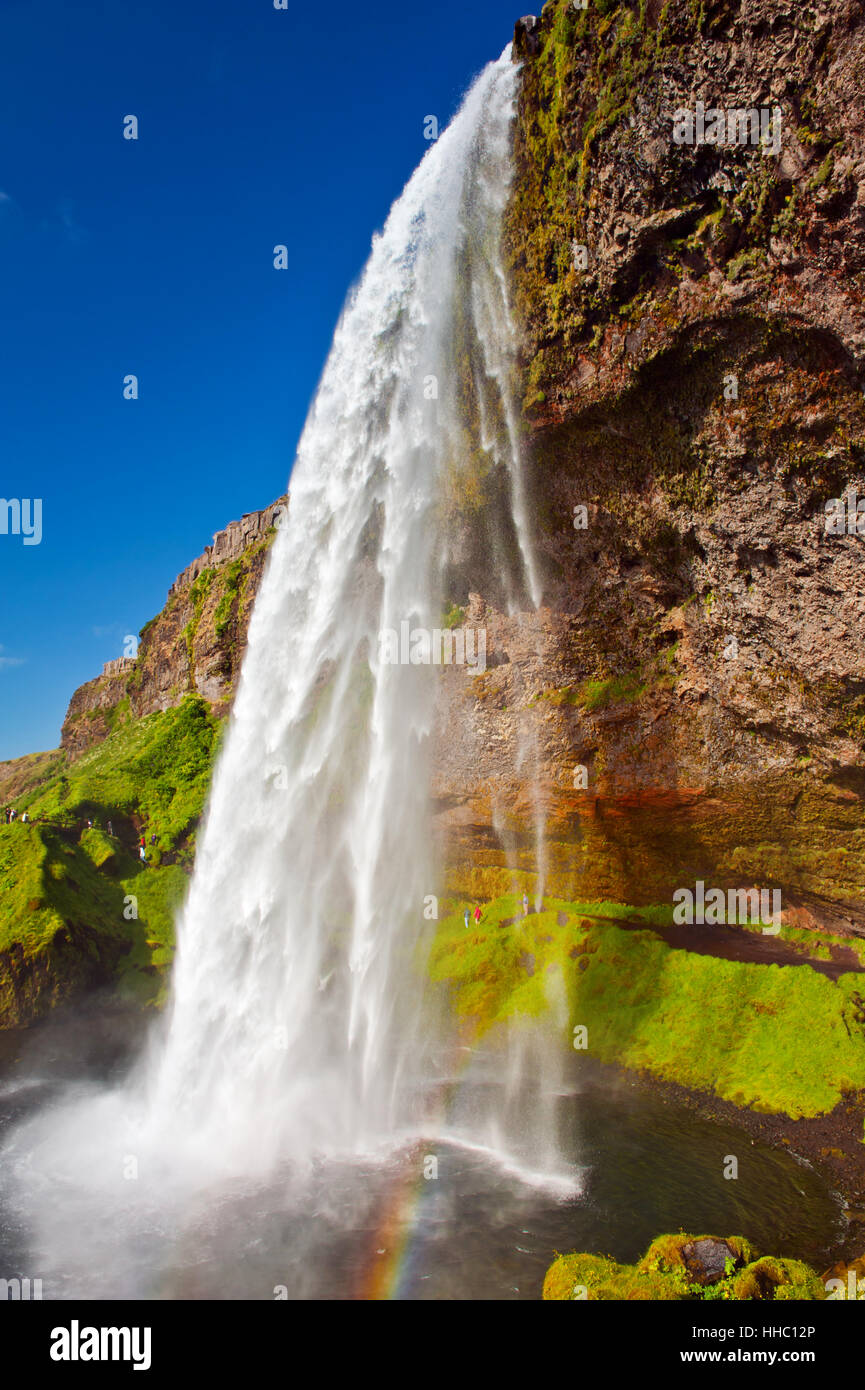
{"x": 422, "y": 1219}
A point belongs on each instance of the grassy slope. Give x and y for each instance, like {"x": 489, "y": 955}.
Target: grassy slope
{"x": 776, "y": 1038}
{"x": 57, "y": 876}
{"x": 152, "y": 771}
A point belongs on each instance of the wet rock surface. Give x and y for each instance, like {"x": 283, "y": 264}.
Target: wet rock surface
{"x": 692, "y": 688}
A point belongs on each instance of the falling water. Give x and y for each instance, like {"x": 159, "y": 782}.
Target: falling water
{"x": 299, "y": 1026}
{"x": 298, "y": 1016}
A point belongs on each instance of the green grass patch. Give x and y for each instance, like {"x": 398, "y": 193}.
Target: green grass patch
{"x": 77, "y": 903}
{"x": 155, "y": 770}
{"x": 773, "y": 1038}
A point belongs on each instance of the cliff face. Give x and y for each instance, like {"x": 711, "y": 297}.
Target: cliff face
{"x": 194, "y": 646}
{"x": 693, "y": 688}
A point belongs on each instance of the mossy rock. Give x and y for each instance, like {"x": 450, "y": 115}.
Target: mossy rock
{"x": 702, "y": 1259}
{"x": 774, "y": 1279}
{"x": 675, "y": 1268}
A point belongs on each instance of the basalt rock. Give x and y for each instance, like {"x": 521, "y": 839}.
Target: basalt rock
{"x": 692, "y": 691}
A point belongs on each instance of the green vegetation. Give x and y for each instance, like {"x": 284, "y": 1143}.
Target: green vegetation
{"x": 453, "y": 616}
{"x": 823, "y": 173}
{"x": 775, "y": 1038}
{"x": 77, "y": 906}
{"x": 597, "y": 694}
{"x": 154, "y": 771}
{"x": 663, "y": 1274}
{"x": 79, "y": 912}
{"x": 231, "y": 579}
{"x": 198, "y": 592}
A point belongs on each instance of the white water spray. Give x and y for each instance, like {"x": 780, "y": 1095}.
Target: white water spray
{"x": 298, "y": 1026}
{"x": 298, "y": 1019}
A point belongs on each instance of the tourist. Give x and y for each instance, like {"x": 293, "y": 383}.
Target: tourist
{"x": 466, "y": 915}
{"x": 478, "y": 915}
{"x": 525, "y": 904}
{"x": 142, "y": 854}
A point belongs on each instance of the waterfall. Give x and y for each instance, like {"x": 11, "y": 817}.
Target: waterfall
{"x": 298, "y": 1002}
{"x": 299, "y": 1025}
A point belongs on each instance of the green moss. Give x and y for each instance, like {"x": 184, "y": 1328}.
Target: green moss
{"x": 73, "y": 900}
{"x": 823, "y": 173}
{"x": 748, "y": 261}
{"x": 662, "y": 1275}
{"x": 159, "y": 894}
{"x": 643, "y": 1003}
{"x": 453, "y": 616}
{"x": 76, "y": 912}
{"x": 230, "y": 576}
{"x": 98, "y": 847}
{"x": 598, "y": 694}
{"x": 198, "y": 592}
{"x": 772, "y": 1279}
{"x": 156, "y": 769}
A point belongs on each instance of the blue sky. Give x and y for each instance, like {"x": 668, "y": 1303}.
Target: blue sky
{"x": 155, "y": 257}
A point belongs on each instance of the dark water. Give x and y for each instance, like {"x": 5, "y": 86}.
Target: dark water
{"x": 381, "y": 1229}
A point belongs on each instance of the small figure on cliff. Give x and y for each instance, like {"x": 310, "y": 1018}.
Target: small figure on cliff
{"x": 466, "y": 916}
{"x": 24, "y": 818}
{"x": 110, "y": 829}
{"x": 153, "y": 839}
{"x": 142, "y": 854}
{"x": 525, "y": 904}
{"x": 478, "y": 915}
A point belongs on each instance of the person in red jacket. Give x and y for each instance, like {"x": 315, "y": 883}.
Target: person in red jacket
{"x": 478, "y": 916}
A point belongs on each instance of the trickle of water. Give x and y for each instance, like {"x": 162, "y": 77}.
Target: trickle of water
{"x": 298, "y": 1027}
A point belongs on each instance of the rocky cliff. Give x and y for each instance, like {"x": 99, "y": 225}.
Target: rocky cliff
{"x": 194, "y": 646}
{"x": 693, "y": 687}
